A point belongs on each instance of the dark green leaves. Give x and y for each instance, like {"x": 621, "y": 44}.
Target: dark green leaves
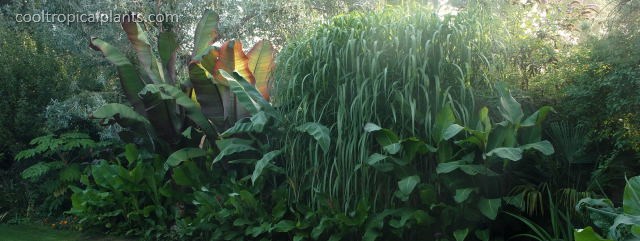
{"x": 489, "y": 207}
{"x": 406, "y": 186}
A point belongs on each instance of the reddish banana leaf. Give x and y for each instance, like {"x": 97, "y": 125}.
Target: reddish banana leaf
{"x": 232, "y": 59}
{"x": 206, "y": 33}
{"x": 161, "y": 112}
{"x": 167, "y": 48}
{"x": 129, "y": 79}
{"x": 140, "y": 42}
{"x": 261, "y": 62}
{"x": 207, "y": 93}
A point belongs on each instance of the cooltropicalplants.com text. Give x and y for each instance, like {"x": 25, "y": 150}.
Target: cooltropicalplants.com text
{"x": 97, "y": 17}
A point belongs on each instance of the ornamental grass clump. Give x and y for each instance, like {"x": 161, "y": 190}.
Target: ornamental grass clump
{"x": 396, "y": 67}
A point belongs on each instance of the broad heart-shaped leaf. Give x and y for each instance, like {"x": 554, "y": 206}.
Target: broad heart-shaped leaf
{"x": 261, "y": 63}
{"x": 370, "y": 127}
{"x": 460, "y": 234}
{"x": 444, "y": 119}
{"x": 462, "y": 194}
{"x": 587, "y": 234}
{"x": 167, "y": 49}
{"x": 232, "y": 59}
{"x": 511, "y": 109}
{"x": 262, "y": 163}
{"x": 489, "y": 207}
{"x": 511, "y": 153}
{"x": 406, "y": 186}
{"x": 206, "y": 32}
{"x": 385, "y": 137}
{"x": 544, "y": 147}
{"x": 631, "y": 201}
{"x": 184, "y": 154}
{"x": 129, "y": 79}
{"x": 138, "y": 38}
{"x": 207, "y": 93}
{"x": 319, "y": 132}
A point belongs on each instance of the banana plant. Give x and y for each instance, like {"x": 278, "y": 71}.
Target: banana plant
{"x": 163, "y": 110}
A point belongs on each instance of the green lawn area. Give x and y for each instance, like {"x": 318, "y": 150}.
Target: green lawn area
{"x": 33, "y": 232}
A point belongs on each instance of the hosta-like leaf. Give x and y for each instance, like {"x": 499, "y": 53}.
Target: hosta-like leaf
{"x": 631, "y": 201}
{"x": 319, "y": 132}
{"x": 461, "y": 234}
{"x": 587, "y": 234}
{"x": 511, "y": 109}
{"x": 511, "y": 153}
{"x": 262, "y": 163}
{"x": 261, "y": 62}
{"x": 462, "y": 194}
{"x": 489, "y": 207}
{"x": 451, "y": 131}
{"x": 544, "y": 147}
{"x": 130, "y": 81}
{"x": 406, "y": 186}
{"x": 537, "y": 117}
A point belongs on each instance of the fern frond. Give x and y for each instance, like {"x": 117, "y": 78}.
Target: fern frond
{"x": 40, "y": 169}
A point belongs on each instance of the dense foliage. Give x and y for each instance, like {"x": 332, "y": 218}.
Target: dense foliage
{"x": 468, "y": 120}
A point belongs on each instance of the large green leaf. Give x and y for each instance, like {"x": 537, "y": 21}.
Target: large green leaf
{"x": 191, "y": 109}
{"x": 122, "y": 114}
{"x": 489, "y": 207}
{"x": 587, "y": 234}
{"x": 544, "y": 147}
{"x": 206, "y": 32}
{"x": 162, "y": 112}
{"x": 184, "y": 154}
{"x": 406, "y": 186}
{"x": 138, "y": 38}
{"x": 130, "y": 81}
{"x": 451, "y": 131}
{"x": 262, "y": 163}
{"x": 462, "y": 194}
{"x": 511, "y": 109}
{"x": 167, "y": 49}
{"x": 246, "y": 94}
{"x": 207, "y": 93}
{"x": 231, "y": 149}
{"x": 319, "y": 132}
{"x": 631, "y": 201}
{"x": 254, "y": 124}
{"x": 511, "y": 153}
{"x": 461, "y": 234}
{"x": 537, "y": 117}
